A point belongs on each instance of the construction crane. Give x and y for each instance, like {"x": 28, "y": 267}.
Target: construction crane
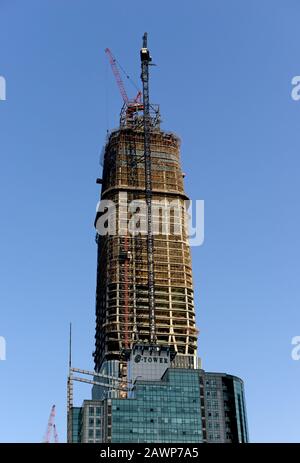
{"x": 51, "y": 427}
{"x": 55, "y": 434}
{"x": 132, "y": 106}
{"x": 137, "y": 101}
{"x": 145, "y": 61}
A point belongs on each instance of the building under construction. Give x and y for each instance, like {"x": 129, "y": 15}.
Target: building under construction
{"x": 147, "y": 383}
{"x": 122, "y": 307}
{"x": 123, "y": 275}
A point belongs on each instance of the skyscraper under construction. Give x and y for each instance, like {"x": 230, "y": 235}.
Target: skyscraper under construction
{"x": 148, "y": 385}
{"x": 123, "y": 296}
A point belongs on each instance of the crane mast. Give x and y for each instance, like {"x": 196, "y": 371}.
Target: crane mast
{"x": 145, "y": 61}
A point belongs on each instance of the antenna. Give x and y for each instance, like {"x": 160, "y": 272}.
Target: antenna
{"x": 70, "y": 346}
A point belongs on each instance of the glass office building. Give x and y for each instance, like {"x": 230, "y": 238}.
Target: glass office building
{"x": 76, "y": 424}
{"x": 159, "y": 411}
{"x": 225, "y": 409}
{"x": 184, "y": 406}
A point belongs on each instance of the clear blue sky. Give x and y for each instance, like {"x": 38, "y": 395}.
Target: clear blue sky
{"x": 223, "y": 81}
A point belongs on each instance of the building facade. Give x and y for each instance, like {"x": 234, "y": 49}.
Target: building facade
{"x": 122, "y": 309}
{"x": 225, "y": 409}
{"x": 185, "y": 406}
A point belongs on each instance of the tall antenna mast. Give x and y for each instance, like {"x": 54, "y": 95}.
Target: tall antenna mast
{"x": 145, "y": 61}
{"x": 70, "y": 346}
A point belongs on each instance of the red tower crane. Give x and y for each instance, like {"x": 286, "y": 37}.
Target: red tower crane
{"x": 130, "y": 108}
{"x": 113, "y": 62}
{"x": 51, "y": 427}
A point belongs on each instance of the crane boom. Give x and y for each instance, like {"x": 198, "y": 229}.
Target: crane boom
{"x": 51, "y": 427}
{"x": 55, "y": 434}
{"x": 120, "y": 83}
{"x": 117, "y": 75}
{"x": 50, "y": 424}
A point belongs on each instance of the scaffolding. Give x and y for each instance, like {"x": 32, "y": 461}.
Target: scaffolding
{"x": 122, "y": 285}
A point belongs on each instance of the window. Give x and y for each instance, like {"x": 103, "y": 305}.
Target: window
{"x": 91, "y": 411}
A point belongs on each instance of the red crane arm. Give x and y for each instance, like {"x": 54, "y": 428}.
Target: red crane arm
{"x": 50, "y": 424}
{"x": 55, "y": 434}
{"x": 117, "y": 75}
